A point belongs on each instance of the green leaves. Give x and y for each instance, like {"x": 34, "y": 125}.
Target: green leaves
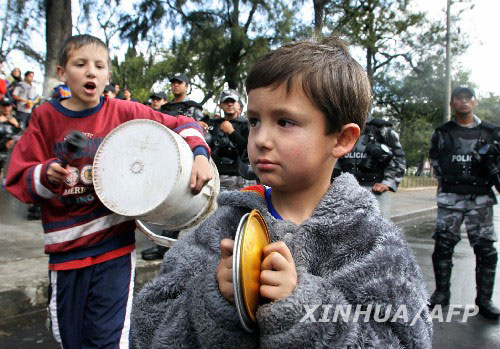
{"x": 216, "y": 42}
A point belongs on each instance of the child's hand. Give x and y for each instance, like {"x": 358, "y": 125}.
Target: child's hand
{"x": 56, "y": 174}
{"x": 278, "y": 276}
{"x": 225, "y": 270}
{"x": 201, "y": 173}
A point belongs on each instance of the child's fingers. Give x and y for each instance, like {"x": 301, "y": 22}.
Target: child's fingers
{"x": 56, "y": 174}
{"x": 279, "y": 247}
{"x": 193, "y": 183}
{"x": 225, "y": 273}
{"x": 201, "y": 174}
{"x": 226, "y": 289}
{"x": 226, "y": 248}
{"x": 57, "y": 168}
{"x": 270, "y": 292}
{"x": 270, "y": 278}
{"x": 275, "y": 261}
{"x": 225, "y": 281}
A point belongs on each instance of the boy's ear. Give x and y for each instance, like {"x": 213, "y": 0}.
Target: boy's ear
{"x": 109, "y": 77}
{"x": 60, "y": 73}
{"x": 346, "y": 139}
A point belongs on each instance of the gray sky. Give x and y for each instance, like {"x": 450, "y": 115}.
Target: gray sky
{"x": 482, "y": 25}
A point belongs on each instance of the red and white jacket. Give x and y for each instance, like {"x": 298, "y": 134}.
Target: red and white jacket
{"x": 79, "y": 229}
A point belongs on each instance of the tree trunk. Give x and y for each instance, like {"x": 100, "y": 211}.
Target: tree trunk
{"x": 369, "y": 64}
{"x": 319, "y": 15}
{"x": 58, "y": 28}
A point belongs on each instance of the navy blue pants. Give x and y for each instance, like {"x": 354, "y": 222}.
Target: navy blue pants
{"x": 90, "y": 307}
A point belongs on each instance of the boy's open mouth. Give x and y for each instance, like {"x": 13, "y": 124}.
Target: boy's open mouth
{"x": 90, "y": 86}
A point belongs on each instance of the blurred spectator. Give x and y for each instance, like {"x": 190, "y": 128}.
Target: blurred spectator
{"x": 15, "y": 76}
{"x": 14, "y": 79}
{"x": 109, "y": 91}
{"x": 3, "y": 82}
{"x": 127, "y": 95}
{"x": 9, "y": 131}
{"x": 25, "y": 95}
{"x": 7, "y": 112}
{"x": 239, "y": 107}
{"x": 117, "y": 90}
{"x": 157, "y": 100}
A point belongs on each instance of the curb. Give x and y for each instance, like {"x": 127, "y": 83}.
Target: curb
{"x": 404, "y": 219}
{"x": 24, "y": 299}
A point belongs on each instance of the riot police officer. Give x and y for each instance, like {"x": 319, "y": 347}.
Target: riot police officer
{"x": 182, "y": 105}
{"x": 377, "y": 161}
{"x": 464, "y": 154}
{"x": 228, "y": 140}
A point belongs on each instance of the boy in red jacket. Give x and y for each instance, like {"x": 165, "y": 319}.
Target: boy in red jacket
{"x": 91, "y": 249}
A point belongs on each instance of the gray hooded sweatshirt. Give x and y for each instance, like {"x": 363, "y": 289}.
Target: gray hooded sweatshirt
{"x": 346, "y": 255}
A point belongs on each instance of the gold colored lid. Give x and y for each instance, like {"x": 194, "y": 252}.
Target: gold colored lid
{"x": 255, "y": 238}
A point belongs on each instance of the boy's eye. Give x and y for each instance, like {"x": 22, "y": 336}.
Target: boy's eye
{"x": 253, "y": 122}
{"x": 285, "y": 123}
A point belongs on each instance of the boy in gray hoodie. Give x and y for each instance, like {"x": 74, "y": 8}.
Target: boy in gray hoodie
{"x": 337, "y": 273}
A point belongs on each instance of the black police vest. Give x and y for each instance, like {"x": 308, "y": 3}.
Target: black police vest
{"x": 181, "y": 108}
{"x": 462, "y": 174}
{"x": 351, "y": 162}
{"x": 224, "y": 151}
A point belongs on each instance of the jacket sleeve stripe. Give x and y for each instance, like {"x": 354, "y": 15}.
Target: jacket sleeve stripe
{"x": 40, "y": 189}
{"x": 30, "y": 186}
{"x": 74, "y": 233}
{"x": 190, "y": 132}
{"x": 191, "y": 125}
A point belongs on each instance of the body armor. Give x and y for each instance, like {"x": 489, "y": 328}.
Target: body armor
{"x": 370, "y": 156}
{"x": 225, "y": 152}
{"x": 188, "y": 108}
{"x": 461, "y": 166}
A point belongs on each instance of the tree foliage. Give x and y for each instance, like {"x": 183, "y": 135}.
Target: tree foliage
{"x": 101, "y": 17}
{"x": 18, "y": 23}
{"x": 219, "y": 40}
{"x": 382, "y": 28}
{"x": 403, "y": 53}
{"x": 139, "y": 73}
{"x": 488, "y": 108}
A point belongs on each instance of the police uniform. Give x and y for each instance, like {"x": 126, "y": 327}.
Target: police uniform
{"x": 226, "y": 150}
{"x": 186, "y": 107}
{"x": 229, "y": 152}
{"x": 377, "y": 157}
{"x": 464, "y": 172}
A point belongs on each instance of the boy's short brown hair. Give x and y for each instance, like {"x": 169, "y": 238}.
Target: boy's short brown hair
{"x": 76, "y": 42}
{"x": 332, "y": 80}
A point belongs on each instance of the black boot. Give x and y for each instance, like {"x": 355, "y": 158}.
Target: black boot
{"x": 442, "y": 273}
{"x": 441, "y": 261}
{"x": 486, "y": 262}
